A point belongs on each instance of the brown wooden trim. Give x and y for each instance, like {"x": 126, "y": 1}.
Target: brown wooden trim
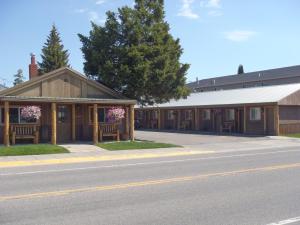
{"x": 158, "y": 119}
{"x": 245, "y": 119}
{"x": 276, "y": 120}
{"x": 53, "y": 123}
{"x": 126, "y": 121}
{"x": 95, "y": 124}
{"x": 6, "y": 124}
{"x": 73, "y": 122}
{"x": 265, "y": 120}
{"x": 131, "y": 128}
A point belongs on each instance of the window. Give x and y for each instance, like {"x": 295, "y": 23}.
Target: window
{"x": 101, "y": 115}
{"x": 188, "y": 114}
{"x": 255, "y": 113}
{"x": 229, "y": 114}
{"x": 62, "y": 114}
{"x": 170, "y": 115}
{"x": 206, "y": 114}
{"x": 15, "y": 116}
{"x": 155, "y": 115}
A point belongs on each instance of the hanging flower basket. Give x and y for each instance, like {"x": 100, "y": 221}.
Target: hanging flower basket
{"x": 115, "y": 114}
{"x": 30, "y": 113}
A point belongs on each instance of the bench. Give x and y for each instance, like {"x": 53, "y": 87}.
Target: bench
{"x": 227, "y": 126}
{"x": 24, "y": 131}
{"x": 109, "y": 130}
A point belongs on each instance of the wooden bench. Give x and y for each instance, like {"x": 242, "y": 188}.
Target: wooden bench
{"x": 24, "y": 131}
{"x": 109, "y": 130}
{"x": 227, "y": 126}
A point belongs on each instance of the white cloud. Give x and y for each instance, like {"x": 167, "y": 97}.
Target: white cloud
{"x": 82, "y": 10}
{"x": 100, "y": 2}
{"x": 239, "y": 35}
{"x": 186, "y": 10}
{"x": 213, "y": 4}
{"x": 96, "y": 18}
{"x": 215, "y": 13}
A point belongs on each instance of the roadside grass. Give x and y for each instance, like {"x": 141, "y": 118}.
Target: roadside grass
{"x": 31, "y": 149}
{"x": 130, "y": 145}
{"x": 297, "y": 135}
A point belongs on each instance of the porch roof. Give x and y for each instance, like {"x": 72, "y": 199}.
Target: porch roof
{"x": 255, "y": 95}
{"x": 67, "y": 100}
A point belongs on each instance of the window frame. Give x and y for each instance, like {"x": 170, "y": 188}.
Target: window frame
{"x": 206, "y": 114}
{"x": 170, "y": 114}
{"x": 230, "y": 114}
{"x": 90, "y": 112}
{"x": 255, "y": 114}
{"x": 19, "y": 116}
{"x": 188, "y": 115}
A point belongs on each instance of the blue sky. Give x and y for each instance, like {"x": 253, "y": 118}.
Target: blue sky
{"x": 217, "y": 35}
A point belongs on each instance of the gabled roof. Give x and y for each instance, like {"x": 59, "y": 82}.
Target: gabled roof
{"x": 262, "y": 75}
{"x": 50, "y": 75}
{"x": 255, "y": 95}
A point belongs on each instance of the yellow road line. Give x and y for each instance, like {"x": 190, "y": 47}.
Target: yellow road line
{"x": 146, "y": 183}
{"x": 99, "y": 158}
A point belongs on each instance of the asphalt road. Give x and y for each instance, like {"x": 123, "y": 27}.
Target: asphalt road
{"x": 237, "y": 188}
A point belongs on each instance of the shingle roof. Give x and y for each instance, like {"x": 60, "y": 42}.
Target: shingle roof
{"x": 284, "y": 72}
{"x": 255, "y": 95}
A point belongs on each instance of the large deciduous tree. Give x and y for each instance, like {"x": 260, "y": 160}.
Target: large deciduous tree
{"x": 135, "y": 54}
{"x": 53, "y": 54}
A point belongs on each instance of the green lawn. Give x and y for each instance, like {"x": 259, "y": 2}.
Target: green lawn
{"x": 293, "y": 135}
{"x": 128, "y": 145}
{"x": 30, "y": 149}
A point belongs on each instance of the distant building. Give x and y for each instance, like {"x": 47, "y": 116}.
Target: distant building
{"x": 285, "y": 75}
{"x": 259, "y": 103}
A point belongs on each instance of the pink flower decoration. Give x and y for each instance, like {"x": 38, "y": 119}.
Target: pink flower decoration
{"x": 31, "y": 112}
{"x": 115, "y": 114}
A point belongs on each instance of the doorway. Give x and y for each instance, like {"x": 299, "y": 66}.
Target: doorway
{"x": 63, "y": 123}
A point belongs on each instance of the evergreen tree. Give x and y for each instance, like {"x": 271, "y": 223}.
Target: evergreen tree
{"x": 240, "y": 69}
{"x": 135, "y": 54}
{"x": 53, "y": 54}
{"x": 19, "y": 78}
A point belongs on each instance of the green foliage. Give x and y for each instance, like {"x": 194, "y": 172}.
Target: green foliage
{"x": 31, "y": 149}
{"x": 128, "y": 145}
{"x": 19, "y": 78}
{"x": 240, "y": 69}
{"x": 135, "y": 54}
{"x": 53, "y": 54}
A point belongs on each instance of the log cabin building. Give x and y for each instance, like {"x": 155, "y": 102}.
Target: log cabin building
{"x": 263, "y": 110}
{"x": 73, "y": 107}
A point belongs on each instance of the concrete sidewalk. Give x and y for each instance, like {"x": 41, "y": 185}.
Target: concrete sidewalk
{"x": 91, "y": 153}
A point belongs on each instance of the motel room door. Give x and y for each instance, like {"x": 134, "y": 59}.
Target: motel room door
{"x": 63, "y": 121}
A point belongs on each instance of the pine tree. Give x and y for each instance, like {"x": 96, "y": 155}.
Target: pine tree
{"x": 240, "y": 69}
{"x": 135, "y": 54}
{"x": 19, "y": 78}
{"x": 53, "y": 54}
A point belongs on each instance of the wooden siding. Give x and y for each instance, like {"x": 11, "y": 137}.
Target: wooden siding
{"x": 289, "y": 119}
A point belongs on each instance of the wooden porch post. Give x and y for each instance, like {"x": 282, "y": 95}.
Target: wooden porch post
{"x": 158, "y": 119}
{"x": 6, "y": 124}
{"x": 95, "y": 124}
{"x": 245, "y": 119}
{"x": 276, "y": 120}
{"x": 196, "y": 121}
{"x": 53, "y": 123}
{"x": 265, "y": 120}
{"x": 178, "y": 119}
{"x": 127, "y": 121}
{"x": 73, "y": 122}
{"x": 131, "y": 128}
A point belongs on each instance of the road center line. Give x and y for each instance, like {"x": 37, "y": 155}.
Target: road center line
{"x": 146, "y": 182}
{"x": 288, "y": 221}
{"x": 147, "y": 163}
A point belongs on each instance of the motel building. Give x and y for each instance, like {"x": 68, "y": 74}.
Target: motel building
{"x": 73, "y": 108}
{"x": 258, "y": 103}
